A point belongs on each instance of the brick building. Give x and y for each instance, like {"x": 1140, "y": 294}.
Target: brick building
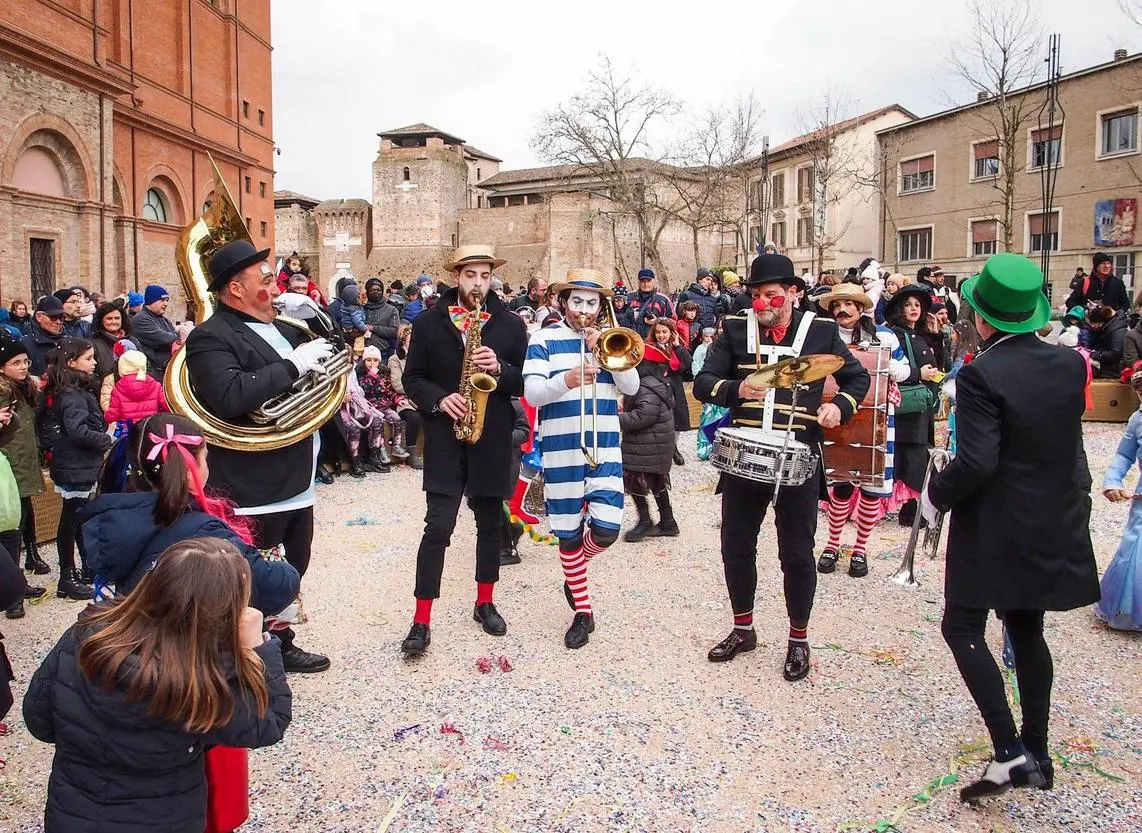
{"x": 108, "y": 110}
{"x": 944, "y": 199}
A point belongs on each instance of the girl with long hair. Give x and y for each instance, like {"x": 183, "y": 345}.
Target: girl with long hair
{"x": 664, "y": 336}
{"x": 124, "y": 532}
{"x": 70, "y": 427}
{"x": 135, "y": 692}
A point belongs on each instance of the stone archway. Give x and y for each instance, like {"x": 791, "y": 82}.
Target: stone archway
{"x": 48, "y": 136}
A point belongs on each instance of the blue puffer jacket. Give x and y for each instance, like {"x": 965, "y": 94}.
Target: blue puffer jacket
{"x": 709, "y": 307}
{"x": 120, "y": 539}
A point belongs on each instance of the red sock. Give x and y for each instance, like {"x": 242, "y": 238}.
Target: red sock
{"x": 484, "y": 591}
{"x": 743, "y": 621}
{"x": 798, "y": 634}
{"x": 423, "y": 615}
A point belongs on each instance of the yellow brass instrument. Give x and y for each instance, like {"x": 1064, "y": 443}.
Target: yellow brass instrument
{"x": 475, "y": 386}
{"x": 284, "y": 419}
{"x": 905, "y": 575}
{"x": 618, "y": 348}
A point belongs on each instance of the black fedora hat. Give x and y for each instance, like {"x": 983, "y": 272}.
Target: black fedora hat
{"x": 912, "y": 290}
{"x": 773, "y": 269}
{"x": 232, "y": 259}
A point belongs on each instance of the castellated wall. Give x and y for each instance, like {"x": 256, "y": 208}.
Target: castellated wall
{"x": 295, "y": 230}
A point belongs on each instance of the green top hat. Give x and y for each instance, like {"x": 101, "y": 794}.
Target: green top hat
{"x": 1008, "y": 294}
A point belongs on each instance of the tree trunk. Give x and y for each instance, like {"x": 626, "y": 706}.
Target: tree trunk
{"x": 697, "y": 257}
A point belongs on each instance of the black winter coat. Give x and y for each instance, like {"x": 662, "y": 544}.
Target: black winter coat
{"x": 1110, "y": 292}
{"x": 1019, "y": 486}
{"x": 647, "y": 423}
{"x": 675, "y": 380}
{"x": 42, "y": 347}
{"x": 234, "y": 371}
{"x": 154, "y": 334}
{"x": 78, "y": 450}
{"x": 120, "y": 541}
{"x": 384, "y": 318}
{"x": 916, "y": 428}
{"x": 432, "y": 371}
{"x": 118, "y": 769}
{"x": 105, "y": 361}
{"x": 1107, "y": 348}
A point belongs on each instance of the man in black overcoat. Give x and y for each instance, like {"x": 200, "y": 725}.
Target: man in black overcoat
{"x": 784, "y": 332}
{"x": 237, "y": 359}
{"x": 1019, "y": 495}
{"x": 452, "y": 468}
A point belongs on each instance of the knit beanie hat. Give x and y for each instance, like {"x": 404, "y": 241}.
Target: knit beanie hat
{"x": 122, "y": 346}
{"x": 371, "y": 282}
{"x": 1098, "y": 259}
{"x": 134, "y": 299}
{"x": 153, "y": 293}
{"x": 10, "y": 348}
{"x": 371, "y": 352}
{"x": 132, "y": 361}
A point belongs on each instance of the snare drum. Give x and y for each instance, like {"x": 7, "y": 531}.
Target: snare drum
{"x": 757, "y": 455}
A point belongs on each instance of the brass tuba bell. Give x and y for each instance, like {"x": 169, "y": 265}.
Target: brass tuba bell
{"x": 284, "y": 419}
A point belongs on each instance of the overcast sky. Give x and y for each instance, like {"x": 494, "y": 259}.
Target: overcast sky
{"x": 346, "y": 69}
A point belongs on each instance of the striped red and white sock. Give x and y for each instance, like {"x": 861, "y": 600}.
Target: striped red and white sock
{"x": 799, "y": 634}
{"x": 743, "y": 621}
{"x": 575, "y": 574}
{"x": 591, "y": 547}
{"x": 838, "y": 513}
{"x": 867, "y": 510}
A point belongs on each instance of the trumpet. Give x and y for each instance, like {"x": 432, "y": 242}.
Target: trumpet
{"x": 905, "y": 576}
{"x": 618, "y": 348}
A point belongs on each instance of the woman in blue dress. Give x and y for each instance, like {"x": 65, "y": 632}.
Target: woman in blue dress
{"x": 1121, "y": 604}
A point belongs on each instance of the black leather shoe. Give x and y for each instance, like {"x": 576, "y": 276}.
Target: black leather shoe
{"x": 639, "y": 531}
{"x": 827, "y": 562}
{"x": 418, "y": 639}
{"x": 34, "y": 592}
{"x": 1047, "y": 767}
{"x": 298, "y": 661}
{"x": 323, "y": 477}
{"x": 679, "y": 460}
{"x": 1022, "y": 771}
{"x": 16, "y": 611}
{"x": 487, "y": 615}
{"x": 33, "y": 563}
{"x": 665, "y": 529}
{"x": 581, "y": 626}
{"x": 796, "y": 661}
{"x": 70, "y": 587}
{"x": 732, "y": 645}
{"x": 858, "y": 565}
{"x": 355, "y": 468}
{"x": 509, "y": 556}
{"x": 567, "y": 595}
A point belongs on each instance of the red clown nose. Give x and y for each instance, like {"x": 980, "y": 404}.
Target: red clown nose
{"x": 761, "y": 305}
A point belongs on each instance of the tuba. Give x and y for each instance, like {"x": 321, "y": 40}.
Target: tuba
{"x": 284, "y": 419}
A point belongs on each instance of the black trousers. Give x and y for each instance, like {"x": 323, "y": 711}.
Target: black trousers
{"x": 963, "y": 629}
{"x": 439, "y": 522}
{"x": 294, "y": 529}
{"x": 28, "y": 522}
{"x": 412, "y": 422}
{"x": 744, "y": 504}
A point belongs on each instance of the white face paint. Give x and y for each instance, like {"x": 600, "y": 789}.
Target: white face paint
{"x": 583, "y": 308}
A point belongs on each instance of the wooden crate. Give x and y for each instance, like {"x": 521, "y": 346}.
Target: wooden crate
{"x": 47, "y": 506}
{"x": 1112, "y": 402}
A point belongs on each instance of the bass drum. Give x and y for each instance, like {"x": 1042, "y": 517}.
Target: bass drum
{"x": 856, "y": 452}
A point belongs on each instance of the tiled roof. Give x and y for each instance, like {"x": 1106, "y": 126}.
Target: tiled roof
{"x": 553, "y": 173}
{"x": 474, "y": 151}
{"x": 420, "y": 129}
{"x": 793, "y": 144}
{"x": 288, "y": 197}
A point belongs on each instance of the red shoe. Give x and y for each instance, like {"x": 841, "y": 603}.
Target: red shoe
{"x": 516, "y": 502}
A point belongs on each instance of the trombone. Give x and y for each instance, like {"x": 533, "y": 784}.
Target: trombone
{"x": 618, "y": 348}
{"x": 905, "y": 575}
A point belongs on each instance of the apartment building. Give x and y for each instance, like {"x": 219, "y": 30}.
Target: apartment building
{"x": 949, "y": 198}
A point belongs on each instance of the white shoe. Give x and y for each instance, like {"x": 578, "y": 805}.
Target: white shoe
{"x": 999, "y": 777}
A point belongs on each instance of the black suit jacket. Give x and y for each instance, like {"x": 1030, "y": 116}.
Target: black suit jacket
{"x": 1019, "y": 486}
{"x": 234, "y": 371}
{"x": 432, "y": 371}
{"x": 729, "y": 361}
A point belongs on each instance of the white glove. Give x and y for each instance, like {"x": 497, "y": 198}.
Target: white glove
{"x": 297, "y": 306}
{"x": 927, "y": 510}
{"x": 307, "y": 357}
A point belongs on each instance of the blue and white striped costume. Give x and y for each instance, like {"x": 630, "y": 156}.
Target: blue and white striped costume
{"x": 570, "y": 486}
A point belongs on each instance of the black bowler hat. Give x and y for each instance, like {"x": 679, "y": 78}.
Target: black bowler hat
{"x": 232, "y": 259}
{"x": 773, "y": 269}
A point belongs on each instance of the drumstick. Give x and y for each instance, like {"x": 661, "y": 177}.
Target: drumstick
{"x": 800, "y": 414}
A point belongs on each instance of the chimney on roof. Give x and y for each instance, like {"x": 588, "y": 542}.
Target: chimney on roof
{"x": 1120, "y": 54}
{"x": 982, "y": 95}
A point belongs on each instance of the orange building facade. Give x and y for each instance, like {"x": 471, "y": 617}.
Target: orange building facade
{"x": 108, "y": 111}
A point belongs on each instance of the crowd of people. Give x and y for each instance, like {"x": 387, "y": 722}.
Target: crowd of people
{"x": 187, "y": 555}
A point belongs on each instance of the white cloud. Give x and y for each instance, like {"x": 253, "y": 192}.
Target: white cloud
{"x": 486, "y": 71}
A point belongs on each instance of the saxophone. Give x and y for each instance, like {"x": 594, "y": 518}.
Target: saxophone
{"x": 475, "y": 386}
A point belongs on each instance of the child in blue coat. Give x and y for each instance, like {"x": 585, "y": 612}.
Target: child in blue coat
{"x": 1121, "y": 603}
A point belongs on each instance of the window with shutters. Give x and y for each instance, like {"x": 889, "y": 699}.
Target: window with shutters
{"x": 985, "y": 159}
{"x": 778, "y": 189}
{"x": 804, "y": 185}
{"x": 984, "y": 234}
{"x": 1118, "y": 132}
{"x": 916, "y": 244}
{"x": 42, "y": 263}
{"x": 1043, "y": 232}
{"x": 918, "y": 174}
{"x": 1046, "y": 147}
{"x": 804, "y": 231}
{"x": 777, "y": 234}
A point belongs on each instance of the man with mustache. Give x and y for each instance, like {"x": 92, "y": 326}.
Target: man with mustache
{"x": 779, "y": 332}
{"x": 849, "y": 307}
{"x": 453, "y": 469}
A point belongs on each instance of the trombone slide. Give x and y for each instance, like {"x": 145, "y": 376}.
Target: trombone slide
{"x": 929, "y": 542}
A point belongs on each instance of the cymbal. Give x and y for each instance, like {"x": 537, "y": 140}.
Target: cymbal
{"x": 798, "y": 370}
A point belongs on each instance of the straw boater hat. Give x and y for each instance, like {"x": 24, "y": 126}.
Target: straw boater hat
{"x": 845, "y": 292}
{"x": 1008, "y": 294}
{"x": 478, "y": 253}
{"x": 591, "y": 279}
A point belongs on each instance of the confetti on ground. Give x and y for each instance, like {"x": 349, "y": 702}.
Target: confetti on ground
{"x": 495, "y": 745}
{"x": 401, "y": 734}
{"x": 505, "y": 666}
{"x": 362, "y": 521}
{"x": 450, "y": 729}
{"x": 484, "y": 665}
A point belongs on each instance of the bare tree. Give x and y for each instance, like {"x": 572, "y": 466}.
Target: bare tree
{"x": 1132, "y": 9}
{"x": 604, "y": 131}
{"x": 838, "y": 167}
{"x": 710, "y": 179}
{"x": 1000, "y": 58}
